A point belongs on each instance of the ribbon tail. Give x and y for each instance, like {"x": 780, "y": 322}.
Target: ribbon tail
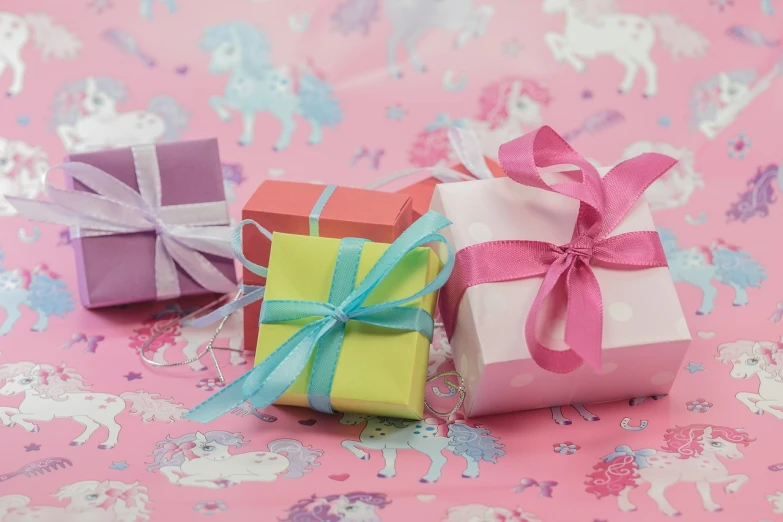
{"x": 468, "y": 149}
{"x": 198, "y": 267}
{"x": 166, "y": 277}
{"x": 584, "y": 315}
{"x": 46, "y": 212}
{"x": 256, "y": 294}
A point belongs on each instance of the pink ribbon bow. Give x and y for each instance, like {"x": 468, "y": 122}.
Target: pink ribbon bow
{"x": 115, "y": 495}
{"x": 443, "y": 424}
{"x": 603, "y": 204}
{"x": 173, "y": 449}
{"x": 545, "y": 486}
{"x": 57, "y": 372}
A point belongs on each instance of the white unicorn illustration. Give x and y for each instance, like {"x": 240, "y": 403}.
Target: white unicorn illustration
{"x": 85, "y": 501}
{"x": 701, "y": 266}
{"x": 690, "y": 454}
{"x": 718, "y": 101}
{"x": 430, "y": 437}
{"x": 22, "y": 168}
{"x": 593, "y": 28}
{"x": 205, "y": 460}
{"x": 53, "y": 392}
{"x": 776, "y": 500}
{"x": 675, "y": 188}
{"x": 356, "y": 506}
{"x": 188, "y": 339}
{"x": 256, "y": 85}
{"x": 54, "y": 41}
{"x": 39, "y": 289}
{"x": 482, "y": 513}
{"x": 559, "y": 418}
{"x": 507, "y": 109}
{"x": 763, "y": 359}
{"x": 86, "y": 118}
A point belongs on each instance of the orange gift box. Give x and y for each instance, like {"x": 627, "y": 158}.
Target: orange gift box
{"x": 285, "y": 206}
{"x": 422, "y": 191}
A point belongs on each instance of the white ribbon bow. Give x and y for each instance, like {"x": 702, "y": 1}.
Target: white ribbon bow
{"x": 183, "y": 231}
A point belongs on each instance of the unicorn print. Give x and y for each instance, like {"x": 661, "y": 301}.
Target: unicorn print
{"x": 39, "y": 289}
{"x": 256, "y": 85}
{"x": 718, "y": 101}
{"x": 429, "y": 436}
{"x": 762, "y": 359}
{"x": 508, "y": 108}
{"x": 776, "y": 500}
{"x": 191, "y": 341}
{"x": 22, "y": 169}
{"x": 205, "y": 460}
{"x": 756, "y": 200}
{"x": 146, "y": 7}
{"x": 482, "y": 513}
{"x": 677, "y": 185}
{"x": 85, "y": 501}
{"x": 440, "y": 351}
{"x": 54, "y": 392}
{"x": 86, "y": 118}
{"x": 690, "y": 454}
{"x": 701, "y": 266}
{"x": 349, "y": 507}
{"x": 559, "y": 418}
{"x": 53, "y": 40}
{"x": 594, "y": 28}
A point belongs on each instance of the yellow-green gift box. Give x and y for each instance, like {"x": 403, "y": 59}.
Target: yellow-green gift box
{"x": 380, "y": 371}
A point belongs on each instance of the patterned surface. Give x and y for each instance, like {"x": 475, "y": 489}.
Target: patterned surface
{"x": 345, "y": 92}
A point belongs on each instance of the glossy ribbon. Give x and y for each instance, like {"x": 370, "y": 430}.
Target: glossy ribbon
{"x": 183, "y": 232}
{"x": 253, "y": 293}
{"x": 265, "y": 383}
{"x": 603, "y": 204}
{"x": 466, "y": 146}
{"x": 639, "y": 456}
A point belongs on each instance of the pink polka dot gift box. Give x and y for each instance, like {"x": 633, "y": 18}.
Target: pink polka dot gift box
{"x": 561, "y": 293}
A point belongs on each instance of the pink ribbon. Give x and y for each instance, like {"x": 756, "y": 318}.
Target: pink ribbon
{"x": 57, "y": 372}
{"x": 443, "y": 424}
{"x": 183, "y": 447}
{"x": 115, "y": 495}
{"x": 603, "y": 204}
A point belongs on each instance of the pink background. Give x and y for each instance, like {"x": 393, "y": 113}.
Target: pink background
{"x": 355, "y": 66}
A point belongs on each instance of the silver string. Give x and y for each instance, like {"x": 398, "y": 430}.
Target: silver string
{"x": 459, "y": 389}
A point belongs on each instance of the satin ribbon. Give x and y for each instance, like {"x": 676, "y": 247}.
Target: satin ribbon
{"x": 443, "y": 424}
{"x": 183, "y": 232}
{"x": 639, "y": 456}
{"x": 545, "y": 486}
{"x": 603, "y": 204}
{"x": 253, "y": 293}
{"x": 265, "y": 383}
{"x": 466, "y": 146}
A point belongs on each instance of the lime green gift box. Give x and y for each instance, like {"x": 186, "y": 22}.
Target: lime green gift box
{"x": 379, "y": 371}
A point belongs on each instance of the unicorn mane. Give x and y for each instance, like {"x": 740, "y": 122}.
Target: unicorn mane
{"x": 65, "y": 106}
{"x": 152, "y": 326}
{"x": 172, "y": 451}
{"x": 135, "y": 512}
{"x": 686, "y": 440}
{"x": 318, "y": 509}
{"x": 494, "y": 98}
{"x": 53, "y": 381}
{"x": 173, "y": 114}
{"x": 728, "y": 352}
{"x": 254, "y": 43}
{"x": 707, "y": 109}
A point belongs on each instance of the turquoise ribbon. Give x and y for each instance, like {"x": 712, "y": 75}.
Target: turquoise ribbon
{"x": 256, "y": 293}
{"x": 265, "y": 383}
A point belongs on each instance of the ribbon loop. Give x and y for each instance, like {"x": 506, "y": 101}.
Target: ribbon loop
{"x": 603, "y": 205}
{"x": 265, "y": 383}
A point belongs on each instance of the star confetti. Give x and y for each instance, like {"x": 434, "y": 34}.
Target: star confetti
{"x": 694, "y": 367}
{"x": 132, "y": 376}
{"x": 32, "y": 447}
{"x": 119, "y": 466}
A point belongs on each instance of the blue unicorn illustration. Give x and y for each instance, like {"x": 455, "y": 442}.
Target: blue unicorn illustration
{"x": 429, "y": 436}
{"x": 146, "y": 7}
{"x": 39, "y": 289}
{"x": 702, "y": 265}
{"x": 256, "y": 85}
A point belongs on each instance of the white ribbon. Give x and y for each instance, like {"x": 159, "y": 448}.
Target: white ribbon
{"x": 466, "y": 146}
{"x": 183, "y": 231}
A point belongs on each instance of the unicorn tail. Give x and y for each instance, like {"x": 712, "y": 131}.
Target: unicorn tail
{"x": 736, "y": 267}
{"x": 50, "y": 295}
{"x": 679, "y": 38}
{"x": 11, "y": 502}
{"x": 173, "y": 114}
{"x": 475, "y": 442}
{"x": 301, "y": 458}
{"x": 150, "y": 407}
{"x": 54, "y": 41}
{"x": 318, "y": 102}
{"x": 612, "y": 476}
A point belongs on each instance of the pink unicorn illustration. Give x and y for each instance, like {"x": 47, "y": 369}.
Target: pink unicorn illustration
{"x": 689, "y": 454}
{"x": 190, "y": 340}
{"x": 85, "y": 501}
{"x": 508, "y": 108}
{"x": 357, "y": 506}
{"x": 763, "y": 359}
{"x": 482, "y": 513}
{"x": 52, "y": 392}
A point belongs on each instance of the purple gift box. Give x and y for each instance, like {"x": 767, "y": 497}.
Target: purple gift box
{"x": 121, "y": 269}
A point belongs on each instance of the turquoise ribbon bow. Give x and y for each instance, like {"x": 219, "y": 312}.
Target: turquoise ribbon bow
{"x": 640, "y": 456}
{"x": 265, "y": 383}
{"x": 254, "y": 293}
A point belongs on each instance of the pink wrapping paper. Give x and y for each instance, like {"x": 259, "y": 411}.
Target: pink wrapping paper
{"x": 645, "y": 334}
{"x": 120, "y": 269}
